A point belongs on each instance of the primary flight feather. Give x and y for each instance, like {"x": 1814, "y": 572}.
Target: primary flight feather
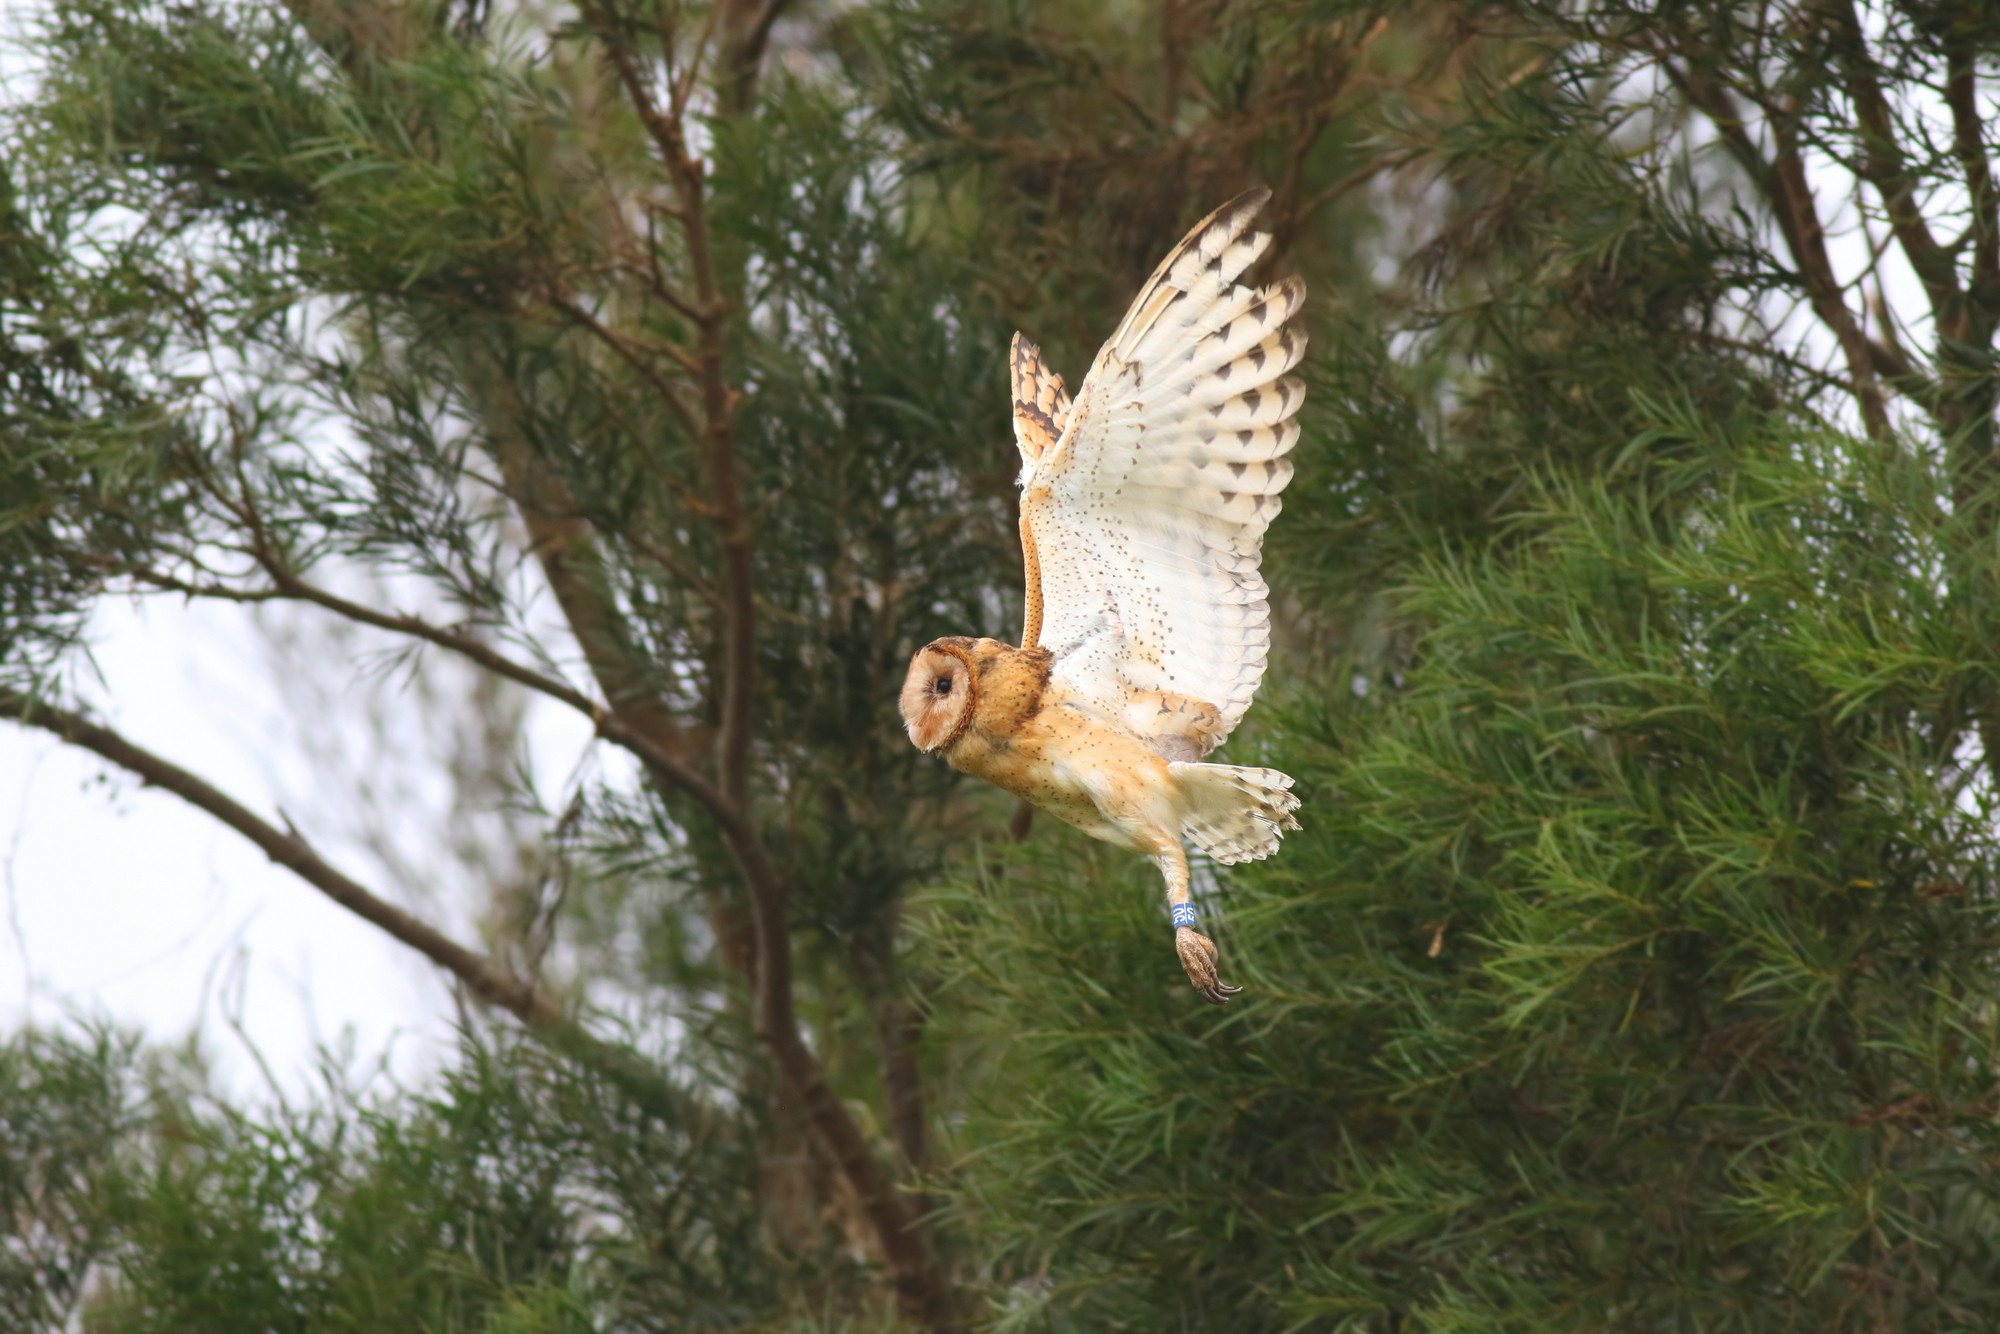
{"x": 1144, "y": 503}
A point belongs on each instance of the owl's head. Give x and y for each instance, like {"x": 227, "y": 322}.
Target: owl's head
{"x": 939, "y": 695}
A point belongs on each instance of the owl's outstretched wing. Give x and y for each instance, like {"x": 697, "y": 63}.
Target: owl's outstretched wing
{"x": 1142, "y": 523}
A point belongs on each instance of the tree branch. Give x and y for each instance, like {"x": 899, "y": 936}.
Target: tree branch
{"x": 289, "y": 587}
{"x": 900, "y": 1025}
{"x": 719, "y": 401}
{"x": 1969, "y": 145}
{"x": 560, "y": 540}
{"x": 1782, "y": 181}
{"x": 582, "y": 587}
{"x": 746, "y": 31}
{"x": 621, "y": 345}
{"x": 923, "y": 1290}
{"x": 1968, "y": 391}
{"x": 1884, "y": 166}
{"x": 483, "y": 977}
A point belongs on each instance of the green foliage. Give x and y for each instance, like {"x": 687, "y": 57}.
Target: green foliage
{"x": 1635, "y": 969}
{"x": 65, "y": 1116}
{"x": 88, "y": 435}
{"x": 517, "y": 1195}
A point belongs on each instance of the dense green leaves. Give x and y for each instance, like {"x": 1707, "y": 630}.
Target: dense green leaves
{"x": 1636, "y": 610}
{"x": 515, "y": 1196}
{"x": 1635, "y": 968}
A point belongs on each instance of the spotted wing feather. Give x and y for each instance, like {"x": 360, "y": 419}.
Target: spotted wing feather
{"x": 1041, "y": 404}
{"x": 1144, "y": 523}
{"x": 1041, "y": 410}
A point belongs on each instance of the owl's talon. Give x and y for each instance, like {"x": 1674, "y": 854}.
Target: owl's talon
{"x": 1198, "y": 962}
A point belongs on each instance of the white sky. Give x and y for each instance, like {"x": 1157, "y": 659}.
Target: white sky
{"x": 124, "y": 903}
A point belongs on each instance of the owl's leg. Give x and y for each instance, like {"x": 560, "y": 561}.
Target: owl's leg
{"x": 1196, "y": 950}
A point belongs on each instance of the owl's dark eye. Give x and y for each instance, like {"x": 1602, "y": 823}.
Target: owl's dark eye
{"x": 942, "y": 685}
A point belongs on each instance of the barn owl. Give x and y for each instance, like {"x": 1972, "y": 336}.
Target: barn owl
{"x": 1143, "y": 508}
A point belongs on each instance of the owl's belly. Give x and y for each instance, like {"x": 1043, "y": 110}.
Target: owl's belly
{"x": 1086, "y": 774}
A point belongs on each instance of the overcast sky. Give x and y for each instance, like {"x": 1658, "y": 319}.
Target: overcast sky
{"x": 122, "y": 902}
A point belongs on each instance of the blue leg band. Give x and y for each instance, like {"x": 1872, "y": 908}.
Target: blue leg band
{"x": 1183, "y": 914}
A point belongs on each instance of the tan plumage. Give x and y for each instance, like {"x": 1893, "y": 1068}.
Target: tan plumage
{"x": 1143, "y": 508}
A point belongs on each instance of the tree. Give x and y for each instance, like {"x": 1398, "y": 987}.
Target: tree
{"x": 418, "y": 316}
{"x": 1632, "y": 970}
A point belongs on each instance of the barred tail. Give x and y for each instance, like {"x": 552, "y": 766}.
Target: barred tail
{"x": 1234, "y": 814}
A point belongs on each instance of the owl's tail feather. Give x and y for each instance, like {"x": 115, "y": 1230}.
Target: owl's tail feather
{"x": 1234, "y": 814}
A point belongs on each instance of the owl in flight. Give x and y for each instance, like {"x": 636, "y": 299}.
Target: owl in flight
{"x": 1143, "y": 508}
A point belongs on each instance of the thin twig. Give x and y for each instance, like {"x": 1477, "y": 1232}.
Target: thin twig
{"x": 1782, "y": 180}
{"x": 622, "y": 345}
{"x": 1358, "y": 177}
{"x": 289, "y": 587}
{"x": 1882, "y": 163}
{"x": 481, "y": 975}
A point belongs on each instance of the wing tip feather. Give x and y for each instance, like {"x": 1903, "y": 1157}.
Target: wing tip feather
{"x": 1041, "y": 404}
{"x": 1210, "y": 238}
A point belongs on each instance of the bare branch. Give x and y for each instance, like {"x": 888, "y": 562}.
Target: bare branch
{"x": 483, "y": 977}
{"x": 1884, "y": 167}
{"x": 289, "y": 587}
{"x": 1969, "y": 145}
{"x": 1782, "y": 180}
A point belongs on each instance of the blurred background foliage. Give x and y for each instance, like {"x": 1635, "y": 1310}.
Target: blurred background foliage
{"x": 1637, "y": 602}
